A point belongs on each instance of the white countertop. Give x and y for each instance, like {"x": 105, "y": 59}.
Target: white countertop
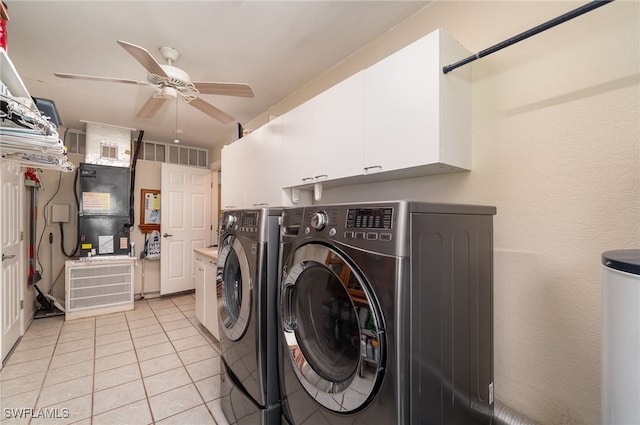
{"x": 211, "y": 253}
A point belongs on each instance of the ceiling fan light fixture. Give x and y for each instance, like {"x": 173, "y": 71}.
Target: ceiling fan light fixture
{"x": 169, "y": 92}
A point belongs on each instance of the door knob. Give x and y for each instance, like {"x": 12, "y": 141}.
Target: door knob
{"x": 7, "y": 257}
{"x": 166, "y": 235}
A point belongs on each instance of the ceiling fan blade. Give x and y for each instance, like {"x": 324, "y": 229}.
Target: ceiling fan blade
{"x": 151, "y": 107}
{"x": 225, "y": 89}
{"x": 211, "y": 110}
{"x": 144, "y": 57}
{"x": 94, "y": 78}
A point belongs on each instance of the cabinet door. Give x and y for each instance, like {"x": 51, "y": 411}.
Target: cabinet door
{"x": 200, "y": 273}
{"x": 233, "y": 176}
{"x": 297, "y": 144}
{"x": 338, "y": 134}
{"x": 322, "y": 138}
{"x": 264, "y": 166}
{"x": 401, "y": 108}
{"x": 211, "y": 299}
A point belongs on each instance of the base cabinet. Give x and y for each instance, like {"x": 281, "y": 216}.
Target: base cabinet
{"x": 206, "y": 297}
{"x": 200, "y": 272}
{"x": 211, "y": 298}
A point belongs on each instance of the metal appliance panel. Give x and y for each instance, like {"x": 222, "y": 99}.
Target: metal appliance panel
{"x": 104, "y": 210}
{"x": 103, "y": 235}
{"x": 104, "y": 190}
{"x": 450, "y": 333}
{"x": 432, "y": 290}
{"x": 251, "y": 355}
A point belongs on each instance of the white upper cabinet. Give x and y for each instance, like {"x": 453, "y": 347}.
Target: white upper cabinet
{"x": 263, "y": 186}
{"x": 401, "y": 117}
{"x": 414, "y": 114}
{"x": 233, "y": 175}
{"x": 323, "y": 137}
{"x": 252, "y": 170}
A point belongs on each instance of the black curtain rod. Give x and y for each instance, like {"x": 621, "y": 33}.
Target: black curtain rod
{"x": 533, "y": 31}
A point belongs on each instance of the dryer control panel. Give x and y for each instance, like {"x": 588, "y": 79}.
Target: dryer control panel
{"x": 369, "y": 223}
{"x": 367, "y": 226}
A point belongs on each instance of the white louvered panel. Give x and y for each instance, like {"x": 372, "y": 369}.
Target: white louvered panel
{"x": 92, "y": 288}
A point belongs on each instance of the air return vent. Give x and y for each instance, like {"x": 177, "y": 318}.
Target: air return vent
{"x": 98, "y": 287}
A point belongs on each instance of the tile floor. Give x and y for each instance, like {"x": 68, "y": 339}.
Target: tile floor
{"x": 153, "y": 365}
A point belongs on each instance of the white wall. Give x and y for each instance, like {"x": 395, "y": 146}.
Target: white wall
{"x": 556, "y": 148}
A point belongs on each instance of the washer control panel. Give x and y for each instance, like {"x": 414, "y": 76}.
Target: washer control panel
{"x": 241, "y": 222}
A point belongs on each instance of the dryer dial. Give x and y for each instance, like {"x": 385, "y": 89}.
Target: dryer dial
{"x": 230, "y": 220}
{"x": 319, "y": 220}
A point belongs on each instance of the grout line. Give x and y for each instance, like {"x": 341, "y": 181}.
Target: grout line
{"x": 135, "y": 353}
{"x": 93, "y": 381}
{"x": 35, "y": 403}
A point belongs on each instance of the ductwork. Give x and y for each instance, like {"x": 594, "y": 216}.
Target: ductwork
{"x": 504, "y": 415}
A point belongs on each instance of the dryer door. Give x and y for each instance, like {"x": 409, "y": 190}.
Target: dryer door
{"x": 332, "y": 328}
{"x": 234, "y": 296}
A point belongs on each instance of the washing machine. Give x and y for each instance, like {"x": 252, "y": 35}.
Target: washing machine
{"x": 247, "y": 299}
{"x": 386, "y": 314}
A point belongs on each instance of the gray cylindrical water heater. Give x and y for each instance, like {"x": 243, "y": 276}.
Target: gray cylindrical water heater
{"x": 621, "y": 337}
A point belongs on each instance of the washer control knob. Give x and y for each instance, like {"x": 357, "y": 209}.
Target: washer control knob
{"x": 319, "y": 220}
{"x": 230, "y": 220}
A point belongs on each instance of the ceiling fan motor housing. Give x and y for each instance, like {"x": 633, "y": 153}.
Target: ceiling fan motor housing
{"x": 177, "y": 77}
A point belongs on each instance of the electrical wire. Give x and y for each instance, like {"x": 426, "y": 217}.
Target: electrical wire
{"x": 75, "y": 194}
{"x": 46, "y": 224}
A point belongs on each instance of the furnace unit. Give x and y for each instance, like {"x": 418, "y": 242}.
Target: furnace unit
{"x": 103, "y": 216}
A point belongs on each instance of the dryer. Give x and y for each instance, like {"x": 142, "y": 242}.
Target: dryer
{"x": 386, "y": 314}
{"x": 247, "y": 296}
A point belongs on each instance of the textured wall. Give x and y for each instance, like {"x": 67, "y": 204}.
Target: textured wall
{"x": 556, "y": 148}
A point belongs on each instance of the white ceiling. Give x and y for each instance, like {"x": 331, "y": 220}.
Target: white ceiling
{"x": 275, "y": 46}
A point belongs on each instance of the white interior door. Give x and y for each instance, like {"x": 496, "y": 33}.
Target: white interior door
{"x": 11, "y": 231}
{"x": 185, "y": 224}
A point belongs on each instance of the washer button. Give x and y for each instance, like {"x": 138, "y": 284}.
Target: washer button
{"x": 348, "y": 235}
{"x": 359, "y": 235}
{"x": 372, "y": 236}
{"x": 385, "y": 236}
{"x": 332, "y": 232}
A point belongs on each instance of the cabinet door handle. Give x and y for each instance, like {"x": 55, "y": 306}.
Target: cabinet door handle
{"x": 324, "y": 177}
{"x": 373, "y": 167}
{"x": 7, "y": 257}
{"x": 166, "y": 235}
{"x": 307, "y": 179}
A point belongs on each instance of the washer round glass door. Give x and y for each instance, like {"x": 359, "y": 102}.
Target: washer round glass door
{"x": 234, "y": 280}
{"x": 332, "y": 328}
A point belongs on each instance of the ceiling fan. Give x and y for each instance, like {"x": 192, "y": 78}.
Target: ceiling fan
{"x": 171, "y": 82}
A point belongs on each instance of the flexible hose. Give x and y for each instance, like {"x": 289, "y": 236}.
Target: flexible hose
{"x": 505, "y": 415}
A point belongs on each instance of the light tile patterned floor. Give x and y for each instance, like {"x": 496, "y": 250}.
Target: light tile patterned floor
{"x": 153, "y": 365}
